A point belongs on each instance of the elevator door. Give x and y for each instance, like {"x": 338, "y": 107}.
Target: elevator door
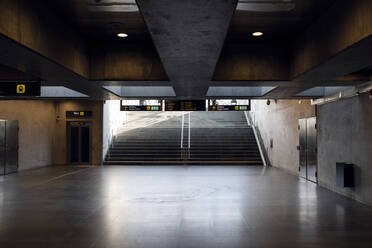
{"x": 79, "y": 142}
{"x": 302, "y": 133}
{"x": 308, "y": 149}
{"x": 11, "y": 164}
{"x": 8, "y": 147}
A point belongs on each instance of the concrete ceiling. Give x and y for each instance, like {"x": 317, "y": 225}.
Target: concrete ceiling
{"x": 189, "y": 45}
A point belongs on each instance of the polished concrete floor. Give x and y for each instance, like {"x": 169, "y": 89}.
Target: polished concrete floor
{"x": 219, "y": 207}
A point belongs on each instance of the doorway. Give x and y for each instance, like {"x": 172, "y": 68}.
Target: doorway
{"x": 8, "y": 147}
{"x": 308, "y": 149}
{"x": 79, "y": 142}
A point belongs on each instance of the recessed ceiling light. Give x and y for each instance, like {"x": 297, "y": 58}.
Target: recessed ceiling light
{"x": 122, "y": 35}
{"x": 257, "y": 34}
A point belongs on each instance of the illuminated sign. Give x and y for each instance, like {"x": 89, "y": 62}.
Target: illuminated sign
{"x": 229, "y": 108}
{"x": 141, "y": 105}
{"x": 185, "y": 105}
{"x": 140, "y": 108}
{"x": 14, "y": 89}
{"x": 229, "y": 105}
{"x": 78, "y": 114}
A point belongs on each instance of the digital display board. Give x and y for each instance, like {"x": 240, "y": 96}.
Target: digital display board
{"x": 141, "y": 105}
{"x": 229, "y": 108}
{"x": 78, "y": 114}
{"x": 185, "y": 105}
{"x": 140, "y": 108}
{"x": 20, "y": 88}
{"x": 229, "y": 105}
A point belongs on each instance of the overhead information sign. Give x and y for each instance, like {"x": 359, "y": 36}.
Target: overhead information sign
{"x": 141, "y": 105}
{"x": 140, "y": 108}
{"x": 185, "y": 105}
{"x": 228, "y": 108}
{"x": 229, "y": 105}
{"x": 20, "y": 89}
{"x": 78, "y": 114}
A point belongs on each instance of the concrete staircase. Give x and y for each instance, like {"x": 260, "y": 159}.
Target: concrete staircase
{"x": 216, "y": 138}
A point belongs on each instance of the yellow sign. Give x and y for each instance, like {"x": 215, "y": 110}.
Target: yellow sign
{"x": 148, "y": 107}
{"x": 82, "y": 113}
{"x": 21, "y": 88}
{"x": 236, "y": 107}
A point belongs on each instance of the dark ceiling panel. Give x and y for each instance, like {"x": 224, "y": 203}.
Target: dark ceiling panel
{"x": 102, "y": 20}
{"x": 11, "y": 74}
{"x": 277, "y": 26}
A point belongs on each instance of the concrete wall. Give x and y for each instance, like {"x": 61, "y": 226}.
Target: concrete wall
{"x": 36, "y": 127}
{"x": 33, "y": 25}
{"x": 118, "y": 61}
{"x": 258, "y": 62}
{"x": 42, "y": 138}
{"x": 345, "y": 135}
{"x": 60, "y": 139}
{"x": 113, "y": 119}
{"x": 278, "y": 123}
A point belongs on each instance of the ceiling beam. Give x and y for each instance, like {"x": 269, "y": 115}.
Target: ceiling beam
{"x": 189, "y": 36}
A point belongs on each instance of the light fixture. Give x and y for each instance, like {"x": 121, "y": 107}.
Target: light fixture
{"x": 122, "y": 35}
{"x": 257, "y": 34}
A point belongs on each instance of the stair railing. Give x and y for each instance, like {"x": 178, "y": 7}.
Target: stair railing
{"x": 182, "y": 124}
{"x": 185, "y": 151}
{"x": 189, "y": 133}
{"x": 257, "y": 136}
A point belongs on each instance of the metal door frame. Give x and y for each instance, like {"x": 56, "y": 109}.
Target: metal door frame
{"x": 79, "y": 124}
{"x": 2, "y": 147}
{"x": 302, "y": 133}
{"x": 12, "y": 145}
{"x": 306, "y": 148}
{"x": 9, "y": 147}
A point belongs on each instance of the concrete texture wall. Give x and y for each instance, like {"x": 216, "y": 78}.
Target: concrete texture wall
{"x": 113, "y": 120}
{"x": 33, "y": 25}
{"x": 36, "y": 128}
{"x": 346, "y": 23}
{"x": 278, "y": 123}
{"x": 258, "y": 62}
{"x": 60, "y": 139}
{"x": 117, "y": 61}
{"x": 345, "y": 135}
{"x": 42, "y": 138}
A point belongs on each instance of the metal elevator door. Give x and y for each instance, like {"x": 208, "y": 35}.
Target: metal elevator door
{"x": 8, "y": 147}
{"x": 308, "y": 148}
{"x": 79, "y": 142}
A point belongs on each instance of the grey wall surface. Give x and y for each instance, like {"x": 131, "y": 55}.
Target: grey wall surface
{"x": 345, "y": 135}
{"x": 36, "y": 128}
{"x": 278, "y": 123}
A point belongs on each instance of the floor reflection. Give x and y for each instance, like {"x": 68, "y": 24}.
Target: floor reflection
{"x": 178, "y": 206}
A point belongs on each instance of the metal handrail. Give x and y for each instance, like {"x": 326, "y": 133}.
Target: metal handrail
{"x": 182, "y": 124}
{"x": 189, "y": 145}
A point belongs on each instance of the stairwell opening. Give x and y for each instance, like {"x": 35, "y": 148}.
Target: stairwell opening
{"x": 189, "y": 138}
